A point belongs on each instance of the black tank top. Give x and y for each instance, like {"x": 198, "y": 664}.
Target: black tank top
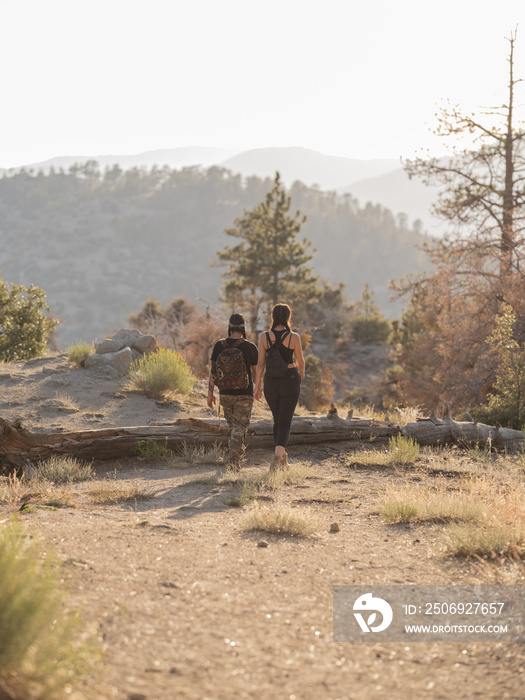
{"x": 286, "y": 353}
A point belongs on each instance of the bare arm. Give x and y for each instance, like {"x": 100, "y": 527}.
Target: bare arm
{"x": 260, "y": 366}
{"x": 299, "y": 357}
{"x": 211, "y": 397}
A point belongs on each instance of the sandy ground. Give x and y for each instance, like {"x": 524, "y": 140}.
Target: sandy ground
{"x": 189, "y": 606}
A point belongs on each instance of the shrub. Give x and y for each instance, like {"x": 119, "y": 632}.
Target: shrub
{"x": 161, "y": 374}
{"x": 78, "y": 353}
{"x": 25, "y": 326}
{"x": 403, "y": 450}
{"x": 375, "y": 329}
{"x": 63, "y": 468}
{"x": 152, "y": 451}
{"x": 41, "y": 654}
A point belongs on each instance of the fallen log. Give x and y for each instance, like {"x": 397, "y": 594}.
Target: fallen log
{"x": 440, "y": 431}
{"x": 21, "y": 448}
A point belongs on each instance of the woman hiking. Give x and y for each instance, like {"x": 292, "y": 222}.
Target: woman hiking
{"x": 282, "y": 380}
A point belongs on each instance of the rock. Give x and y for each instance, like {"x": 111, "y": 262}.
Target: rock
{"x": 262, "y": 543}
{"x": 126, "y": 337}
{"x": 145, "y": 344}
{"x": 108, "y": 345}
{"x": 334, "y": 527}
{"x": 106, "y": 371}
{"x": 120, "y": 361}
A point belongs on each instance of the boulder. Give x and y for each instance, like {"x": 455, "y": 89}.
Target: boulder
{"x": 126, "y": 337}
{"x": 107, "y": 345}
{"x": 120, "y": 360}
{"x": 145, "y": 344}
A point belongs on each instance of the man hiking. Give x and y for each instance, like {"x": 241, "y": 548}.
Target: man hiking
{"x": 233, "y": 367}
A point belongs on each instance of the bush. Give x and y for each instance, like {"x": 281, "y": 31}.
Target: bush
{"x": 24, "y": 327}
{"x": 152, "y": 451}
{"x": 162, "y": 373}
{"x": 40, "y": 652}
{"x": 506, "y": 405}
{"x": 374, "y": 329}
{"x": 78, "y": 353}
{"x": 63, "y": 468}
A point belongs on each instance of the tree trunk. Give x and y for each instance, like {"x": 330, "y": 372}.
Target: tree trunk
{"x": 20, "y": 448}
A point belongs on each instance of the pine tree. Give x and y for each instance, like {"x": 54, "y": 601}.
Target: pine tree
{"x": 269, "y": 264}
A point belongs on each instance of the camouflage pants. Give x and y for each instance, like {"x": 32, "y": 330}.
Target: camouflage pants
{"x": 237, "y": 411}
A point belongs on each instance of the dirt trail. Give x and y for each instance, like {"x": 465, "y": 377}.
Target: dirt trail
{"x": 190, "y": 607}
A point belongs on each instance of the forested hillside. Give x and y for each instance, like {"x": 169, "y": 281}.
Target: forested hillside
{"x": 100, "y": 244}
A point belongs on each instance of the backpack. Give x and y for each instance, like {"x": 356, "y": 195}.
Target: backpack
{"x": 230, "y": 370}
{"x": 276, "y": 366}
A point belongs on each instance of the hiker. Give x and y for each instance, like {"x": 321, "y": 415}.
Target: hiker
{"x": 282, "y": 377}
{"x": 233, "y": 366}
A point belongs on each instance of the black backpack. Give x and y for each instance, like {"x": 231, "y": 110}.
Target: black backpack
{"x": 276, "y": 366}
{"x": 229, "y": 371}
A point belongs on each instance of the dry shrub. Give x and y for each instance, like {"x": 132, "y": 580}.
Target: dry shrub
{"x": 280, "y": 520}
{"x": 14, "y": 489}
{"x": 203, "y": 454}
{"x": 161, "y": 374}
{"x": 183, "y": 327}
{"x": 487, "y": 542}
{"x": 78, "y": 353}
{"x": 63, "y": 468}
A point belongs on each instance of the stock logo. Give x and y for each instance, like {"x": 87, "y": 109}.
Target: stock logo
{"x": 367, "y": 603}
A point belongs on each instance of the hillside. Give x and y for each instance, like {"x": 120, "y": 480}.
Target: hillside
{"x": 101, "y": 245}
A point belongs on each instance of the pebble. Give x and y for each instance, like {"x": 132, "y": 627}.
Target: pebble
{"x": 262, "y": 543}
{"x": 334, "y": 527}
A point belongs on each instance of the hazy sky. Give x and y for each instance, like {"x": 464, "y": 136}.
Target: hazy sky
{"x": 356, "y": 78}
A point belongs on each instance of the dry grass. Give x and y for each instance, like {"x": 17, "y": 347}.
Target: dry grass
{"x": 64, "y": 402}
{"x": 485, "y": 510}
{"x": 63, "y": 468}
{"x": 488, "y": 542}
{"x": 248, "y": 490}
{"x": 439, "y": 505}
{"x": 280, "y": 519}
{"x": 60, "y": 498}
{"x": 203, "y": 454}
{"x": 296, "y": 473}
{"x": 401, "y": 451}
{"x": 14, "y": 490}
{"x": 110, "y": 492}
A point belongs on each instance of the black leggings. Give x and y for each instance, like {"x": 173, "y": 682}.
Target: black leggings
{"x": 282, "y": 394}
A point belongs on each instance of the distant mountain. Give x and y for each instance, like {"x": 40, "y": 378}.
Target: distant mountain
{"x": 309, "y": 167}
{"x": 173, "y": 157}
{"x": 397, "y": 192}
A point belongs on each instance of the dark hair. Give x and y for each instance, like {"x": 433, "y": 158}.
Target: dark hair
{"x": 236, "y": 323}
{"x": 281, "y": 315}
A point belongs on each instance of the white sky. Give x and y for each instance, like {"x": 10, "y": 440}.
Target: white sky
{"x": 356, "y": 78}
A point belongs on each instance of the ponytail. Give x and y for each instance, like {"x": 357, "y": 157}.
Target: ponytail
{"x": 281, "y": 315}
